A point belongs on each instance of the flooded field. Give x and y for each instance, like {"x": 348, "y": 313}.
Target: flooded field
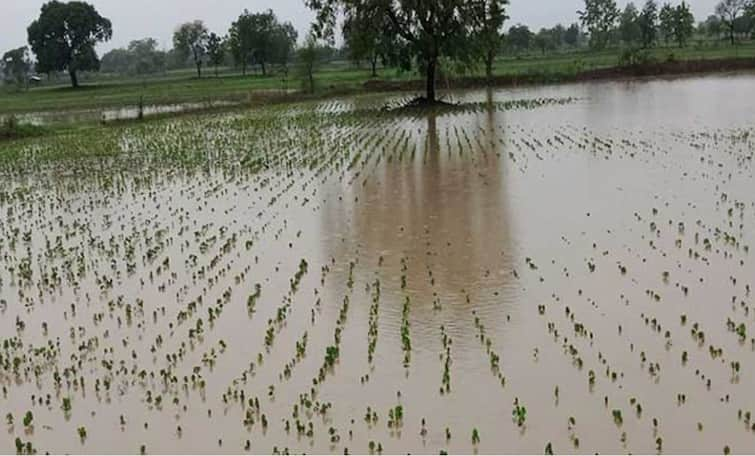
{"x": 560, "y": 269}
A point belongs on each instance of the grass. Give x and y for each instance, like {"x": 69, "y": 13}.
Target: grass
{"x": 10, "y": 128}
{"x": 108, "y": 91}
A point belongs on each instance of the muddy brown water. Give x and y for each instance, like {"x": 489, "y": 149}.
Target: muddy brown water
{"x": 602, "y": 235}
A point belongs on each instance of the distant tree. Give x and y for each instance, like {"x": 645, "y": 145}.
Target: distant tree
{"x": 558, "y": 35}
{"x": 284, "y": 44}
{"x": 666, "y": 20}
{"x": 729, "y": 11}
{"x": 544, "y": 40}
{"x": 116, "y": 61}
{"x": 490, "y": 36}
{"x": 308, "y": 58}
{"x": 240, "y": 40}
{"x": 144, "y": 57}
{"x": 16, "y": 65}
{"x": 64, "y": 36}
{"x": 432, "y": 29}
{"x": 260, "y": 38}
{"x": 263, "y": 26}
{"x": 190, "y": 40}
{"x": 648, "y": 23}
{"x": 629, "y": 25}
{"x": 571, "y": 35}
{"x": 215, "y": 50}
{"x": 684, "y": 24}
{"x": 712, "y": 26}
{"x": 364, "y": 36}
{"x": 520, "y": 37}
{"x": 599, "y": 17}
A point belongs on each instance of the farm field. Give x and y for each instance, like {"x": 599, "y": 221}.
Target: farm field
{"x": 108, "y": 92}
{"x": 562, "y": 268}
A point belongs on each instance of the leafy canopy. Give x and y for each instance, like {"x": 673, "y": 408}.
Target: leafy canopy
{"x": 64, "y": 37}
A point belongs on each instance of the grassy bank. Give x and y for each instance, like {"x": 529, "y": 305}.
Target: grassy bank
{"x": 102, "y": 91}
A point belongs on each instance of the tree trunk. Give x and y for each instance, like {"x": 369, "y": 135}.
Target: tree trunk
{"x": 199, "y": 70}
{"x": 74, "y": 79}
{"x": 243, "y": 68}
{"x": 489, "y": 57}
{"x": 373, "y": 62}
{"x": 731, "y": 34}
{"x": 264, "y": 72}
{"x": 432, "y": 63}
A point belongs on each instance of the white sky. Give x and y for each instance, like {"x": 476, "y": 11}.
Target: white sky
{"x": 136, "y": 19}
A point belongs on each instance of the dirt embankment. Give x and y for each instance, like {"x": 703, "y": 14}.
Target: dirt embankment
{"x": 618, "y": 72}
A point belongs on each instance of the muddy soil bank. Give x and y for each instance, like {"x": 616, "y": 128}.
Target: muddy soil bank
{"x": 653, "y": 69}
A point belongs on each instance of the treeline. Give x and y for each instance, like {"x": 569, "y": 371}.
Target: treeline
{"x": 253, "y": 40}
{"x": 602, "y": 25}
{"x": 423, "y": 36}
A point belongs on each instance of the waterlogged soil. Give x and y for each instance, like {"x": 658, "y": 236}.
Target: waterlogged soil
{"x": 563, "y": 269}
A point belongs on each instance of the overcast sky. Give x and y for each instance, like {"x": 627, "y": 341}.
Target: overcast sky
{"x": 136, "y": 19}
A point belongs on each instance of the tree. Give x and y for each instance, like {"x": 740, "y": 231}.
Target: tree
{"x": 666, "y": 19}
{"x": 648, "y": 23}
{"x": 240, "y": 40}
{"x": 684, "y": 24}
{"x": 116, "y": 61}
{"x": 308, "y": 58}
{"x": 490, "y": 36}
{"x": 520, "y": 37}
{"x": 544, "y": 40}
{"x": 16, "y": 66}
{"x": 263, "y": 25}
{"x": 64, "y": 36}
{"x": 144, "y": 57}
{"x": 729, "y": 11}
{"x": 260, "y": 38}
{"x": 629, "y": 25}
{"x": 364, "y": 36}
{"x": 432, "y": 29}
{"x": 571, "y": 35}
{"x": 190, "y": 39}
{"x": 599, "y": 17}
{"x": 141, "y": 57}
{"x": 215, "y": 50}
{"x": 284, "y": 44}
{"x": 712, "y": 26}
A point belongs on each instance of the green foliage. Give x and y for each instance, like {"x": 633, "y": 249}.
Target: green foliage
{"x": 684, "y": 24}
{"x": 308, "y": 60}
{"x": 729, "y": 11}
{"x": 630, "y": 31}
{"x": 432, "y": 30}
{"x": 64, "y": 37}
{"x": 519, "y": 37}
{"x": 599, "y": 17}
{"x": 16, "y": 65}
{"x": 634, "y": 57}
{"x": 572, "y": 35}
{"x": 28, "y": 418}
{"x": 519, "y": 413}
{"x": 261, "y": 39}
{"x": 11, "y": 128}
{"x": 215, "y": 50}
{"x": 141, "y": 57}
{"x": 648, "y": 24}
{"x": 666, "y": 22}
{"x": 489, "y": 38}
{"x": 366, "y": 35}
{"x": 190, "y": 40}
